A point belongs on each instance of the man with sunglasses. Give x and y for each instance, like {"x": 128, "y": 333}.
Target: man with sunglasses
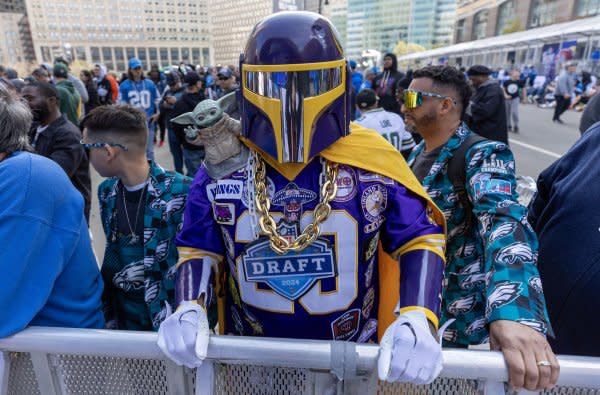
{"x": 141, "y": 208}
{"x": 492, "y": 285}
{"x": 141, "y": 93}
{"x": 226, "y": 81}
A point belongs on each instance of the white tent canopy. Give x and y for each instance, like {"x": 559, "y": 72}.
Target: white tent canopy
{"x": 551, "y": 33}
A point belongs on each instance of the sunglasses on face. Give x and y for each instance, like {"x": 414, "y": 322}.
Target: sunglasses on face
{"x": 101, "y": 144}
{"x": 414, "y": 99}
{"x": 221, "y": 78}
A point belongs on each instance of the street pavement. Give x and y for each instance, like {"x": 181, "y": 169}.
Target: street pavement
{"x": 537, "y": 145}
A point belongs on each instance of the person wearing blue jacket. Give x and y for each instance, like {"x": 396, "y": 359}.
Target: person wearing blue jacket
{"x": 49, "y": 273}
{"x": 565, "y": 215}
{"x": 141, "y": 93}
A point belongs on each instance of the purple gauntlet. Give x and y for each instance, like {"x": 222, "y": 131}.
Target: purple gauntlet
{"x": 192, "y": 280}
{"x": 421, "y": 276}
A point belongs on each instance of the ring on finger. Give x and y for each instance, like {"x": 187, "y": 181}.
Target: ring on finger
{"x": 544, "y": 363}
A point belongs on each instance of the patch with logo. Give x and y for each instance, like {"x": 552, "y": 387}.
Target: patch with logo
{"x": 292, "y": 198}
{"x": 257, "y": 328}
{"x": 288, "y": 230}
{"x": 368, "y": 330}
{"x": 290, "y": 275}
{"x": 346, "y": 184}
{"x": 374, "y": 202}
{"x": 224, "y": 213}
{"x": 367, "y": 176}
{"x": 369, "y": 273}
{"x": 368, "y": 303}
{"x": 270, "y": 192}
{"x": 371, "y": 247}
{"x": 493, "y": 165}
{"x": 374, "y": 226}
{"x": 346, "y": 326}
{"x": 228, "y": 241}
{"x": 484, "y": 184}
{"x": 225, "y": 190}
{"x": 237, "y": 321}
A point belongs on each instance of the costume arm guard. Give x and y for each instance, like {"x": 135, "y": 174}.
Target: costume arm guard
{"x": 193, "y": 279}
{"x": 421, "y": 276}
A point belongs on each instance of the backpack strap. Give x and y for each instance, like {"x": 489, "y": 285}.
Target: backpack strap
{"x": 457, "y": 172}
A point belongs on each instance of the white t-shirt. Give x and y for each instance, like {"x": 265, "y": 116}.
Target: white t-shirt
{"x": 390, "y": 126}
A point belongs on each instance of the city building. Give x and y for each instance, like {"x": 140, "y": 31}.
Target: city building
{"x": 11, "y": 48}
{"x": 381, "y": 24}
{"x": 157, "y": 32}
{"x": 478, "y": 19}
{"x": 14, "y": 6}
{"x": 337, "y": 12}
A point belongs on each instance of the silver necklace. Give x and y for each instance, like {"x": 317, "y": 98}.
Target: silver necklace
{"x": 134, "y": 237}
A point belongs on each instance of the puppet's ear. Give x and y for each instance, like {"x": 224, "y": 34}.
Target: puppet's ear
{"x": 184, "y": 119}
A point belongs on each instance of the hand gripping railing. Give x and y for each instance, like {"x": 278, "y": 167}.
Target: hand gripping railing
{"x": 62, "y": 360}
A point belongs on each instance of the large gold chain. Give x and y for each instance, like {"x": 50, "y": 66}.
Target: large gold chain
{"x": 267, "y": 224}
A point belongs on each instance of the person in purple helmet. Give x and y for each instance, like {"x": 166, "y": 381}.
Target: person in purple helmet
{"x": 295, "y": 229}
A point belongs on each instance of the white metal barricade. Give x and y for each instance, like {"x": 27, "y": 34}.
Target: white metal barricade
{"x": 78, "y": 361}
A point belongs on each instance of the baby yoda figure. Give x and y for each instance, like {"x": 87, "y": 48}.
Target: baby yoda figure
{"x": 212, "y": 128}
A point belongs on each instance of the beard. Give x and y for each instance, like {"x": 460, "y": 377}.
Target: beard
{"x": 412, "y": 124}
{"x": 40, "y": 113}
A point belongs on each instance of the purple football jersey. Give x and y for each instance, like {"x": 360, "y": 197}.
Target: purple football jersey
{"x": 327, "y": 291}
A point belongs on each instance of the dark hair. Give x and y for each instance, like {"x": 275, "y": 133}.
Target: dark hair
{"x": 46, "y": 89}
{"x": 124, "y": 123}
{"x": 448, "y": 77}
{"x": 39, "y": 72}
{"x": 90, "y": 78}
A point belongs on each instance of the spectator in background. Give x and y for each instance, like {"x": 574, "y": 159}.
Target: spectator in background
{"x": 368, "y": 80}
{"x": 106, "y": 82}
{"x": 141, "y": 93}
{"x": 388, "y": 124}
{"x": 41, "y": 75}
{"x": 486, "y": 113}
{"x": 193, "y": 155}
{"x": 90, "y": 86}
{"x": 174, "y": 91}
{"x": 492, "y": 286}
{"x": 2, "y": 71}
{"x": 50, "y": 275}
{"x": 156, "y": 76}
{"x": 514, "y": 92}
{"x": 228, "y": 85}
{"x": 54, "y": 137}
{"x": 385, "y": 84}
{"x": 77, "y": 84}
{"x": 591, "y": 114}
{"x": 565, "y": 89}
{"x": 565, "y": 215}
{"x": 357, "y": 77}
{"x": 70, "y": 102}
{"x": 141, "y": 209}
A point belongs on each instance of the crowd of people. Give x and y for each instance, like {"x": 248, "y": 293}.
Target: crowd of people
{"x": 185, "y": 250}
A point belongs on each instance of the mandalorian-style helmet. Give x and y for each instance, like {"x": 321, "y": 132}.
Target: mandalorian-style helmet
{"x": 295, "y": 93}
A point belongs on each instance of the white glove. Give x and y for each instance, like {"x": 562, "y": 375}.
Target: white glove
{"x": 409, "y": 352}
{"x": 183, "y": 335}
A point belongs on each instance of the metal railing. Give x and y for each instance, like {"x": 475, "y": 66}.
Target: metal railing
{"x": 74, "y": 361}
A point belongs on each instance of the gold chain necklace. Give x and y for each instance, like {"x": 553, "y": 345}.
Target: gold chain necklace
{"x": 267, "y": 223}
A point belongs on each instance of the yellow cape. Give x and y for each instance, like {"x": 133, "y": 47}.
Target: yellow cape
{"x": 368, "y": 150}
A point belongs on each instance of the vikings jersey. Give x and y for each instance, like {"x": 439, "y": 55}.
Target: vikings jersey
{"x": 327, "y": 291}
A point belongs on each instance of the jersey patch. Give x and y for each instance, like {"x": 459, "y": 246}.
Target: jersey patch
{"x": 368, "y": 331}
{"x": 224, "y": 213}
{"x": 224, "y": 189}
{"x": 290, "y": 275}
{"x": 292, "y": 198}
{"x": 346, "y": 185}
{"x": 346, "y": 325}
{"x": 368, "y": 303}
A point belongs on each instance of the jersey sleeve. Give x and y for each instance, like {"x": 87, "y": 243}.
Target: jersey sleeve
{"x": 514, "y": 290}
{"x": 412, "y": 237}
{"x": 200, "y": 235}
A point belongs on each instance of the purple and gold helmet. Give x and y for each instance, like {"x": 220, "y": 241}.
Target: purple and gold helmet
{"x": 295, "y": 93}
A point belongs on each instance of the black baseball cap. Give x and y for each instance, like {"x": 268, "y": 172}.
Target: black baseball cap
{"x": 172, "y": 78}
{"x": 366, "y": 98}
{"x": 479, "y": 70}
{"x": 191, "y": 78}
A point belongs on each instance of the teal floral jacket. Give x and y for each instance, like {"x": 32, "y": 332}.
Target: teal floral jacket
{"x": 491, "y": 271}
{"x": 163, "y": 216}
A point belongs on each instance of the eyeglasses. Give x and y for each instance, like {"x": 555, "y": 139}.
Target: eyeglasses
{"x": 414, "y": 99}
{"x": 221, "y": 78}
{"x": 101, "y": 144}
